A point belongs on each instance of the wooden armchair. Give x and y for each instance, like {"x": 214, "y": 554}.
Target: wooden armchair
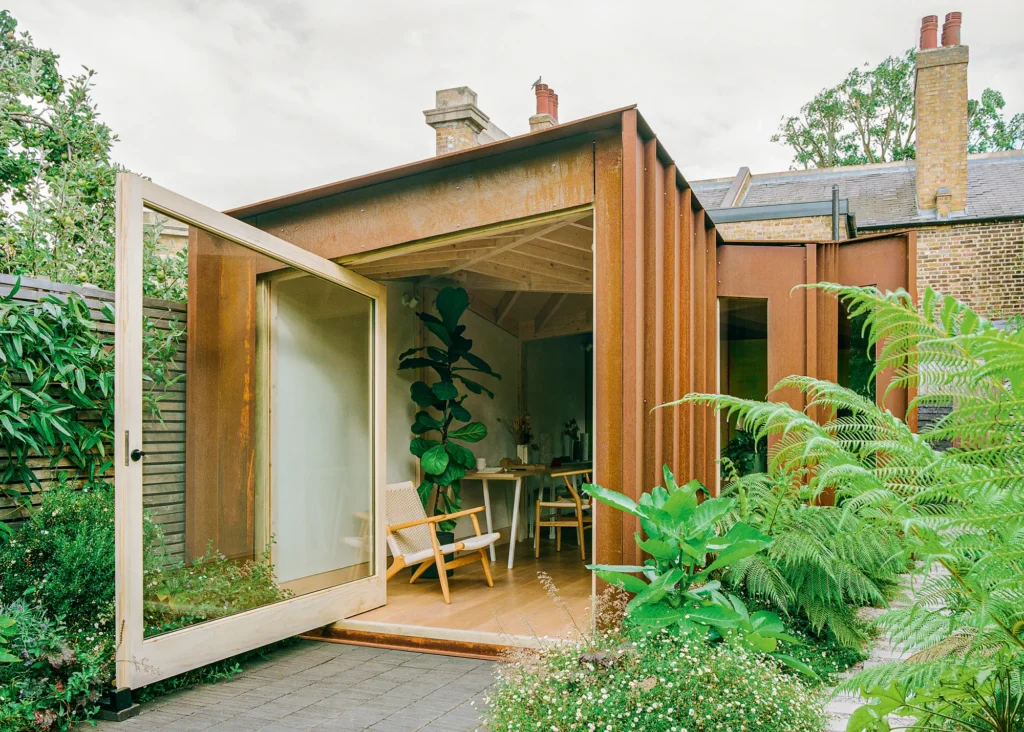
{"x": 412, "y": 537}
{"x": 578, "y": 519}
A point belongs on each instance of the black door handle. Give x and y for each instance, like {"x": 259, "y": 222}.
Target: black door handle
{"x": 137, "y": 455}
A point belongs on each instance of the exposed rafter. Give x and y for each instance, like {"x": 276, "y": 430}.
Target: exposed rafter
{"x": 505, "y": 305}
{"x": 548, "y": 311}
{"x": 508, "y": 246}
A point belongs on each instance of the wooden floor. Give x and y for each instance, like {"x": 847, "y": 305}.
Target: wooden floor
{"x": 517, "y": 607}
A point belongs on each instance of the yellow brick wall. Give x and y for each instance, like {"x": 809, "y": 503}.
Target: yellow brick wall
{"x": 452, "y": 136}
{"x": 941, "y": 100}
{"x": 806, "y": 228}
{"x": 981, "y": 264}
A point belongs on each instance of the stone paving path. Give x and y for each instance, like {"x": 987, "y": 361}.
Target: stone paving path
{"x": 329, "y": 686}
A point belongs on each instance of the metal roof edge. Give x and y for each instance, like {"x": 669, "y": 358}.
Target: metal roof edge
{"x": 942, "y": 222}
{"x": 775, "y": 211}
{"x": 595, "y": 122}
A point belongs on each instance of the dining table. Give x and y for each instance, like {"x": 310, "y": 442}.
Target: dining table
{"x": 515, "y": 478}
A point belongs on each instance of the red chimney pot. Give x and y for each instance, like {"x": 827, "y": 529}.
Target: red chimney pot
{"x": 951, "y": 29}
{"x": 554, "y": 106}
{"x": 543, "y": 99}
{"x": 929, "y": 32}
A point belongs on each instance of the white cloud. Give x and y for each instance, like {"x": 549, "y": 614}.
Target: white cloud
{"x": 232, "y": 101}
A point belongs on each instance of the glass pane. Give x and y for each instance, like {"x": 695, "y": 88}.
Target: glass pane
{"x": 322, "y": 459}
{"x": 743, "y": 369}
{"x": 257, "y": 480}
{"x": 856, "y": 357}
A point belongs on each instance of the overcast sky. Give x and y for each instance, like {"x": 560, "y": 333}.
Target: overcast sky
{"x": 233, "y": 101}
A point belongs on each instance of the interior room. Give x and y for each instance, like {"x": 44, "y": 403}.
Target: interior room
{"x": 531, "y": 318}
{"x": 743, "y": 373}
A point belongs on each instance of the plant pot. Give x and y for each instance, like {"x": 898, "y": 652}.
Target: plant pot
{"x": 443, "y": 537}
{"x": 566, "y": 446}
{"x": 523, "y": 453}
{"x": 586, "y": 446}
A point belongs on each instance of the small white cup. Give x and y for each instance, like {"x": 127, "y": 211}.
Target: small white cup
{"x": 481, "y": 463}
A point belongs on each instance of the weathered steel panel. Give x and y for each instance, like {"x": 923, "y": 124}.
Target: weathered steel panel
{"x": 454, "y": 199}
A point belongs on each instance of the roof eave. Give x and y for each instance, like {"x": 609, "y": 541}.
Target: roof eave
{"x": 596, "y": 122}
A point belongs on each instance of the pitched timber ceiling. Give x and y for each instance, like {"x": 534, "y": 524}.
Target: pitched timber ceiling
{"x": 532, "y": 278}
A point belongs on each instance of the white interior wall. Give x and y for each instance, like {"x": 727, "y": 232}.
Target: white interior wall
{"x": 556, "y": 385}
{"x": 402, "y": 326}
{"x": 496, "y": 346}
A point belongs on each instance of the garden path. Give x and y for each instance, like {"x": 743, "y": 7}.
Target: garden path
{"x": 329, "y": 686}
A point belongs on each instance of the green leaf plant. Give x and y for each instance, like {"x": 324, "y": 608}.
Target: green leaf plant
{"x": 678, "y": 587}
{"x": 443, "y": 421}
{"x": 959, "y": 511}
{"x": 57, "y": 390}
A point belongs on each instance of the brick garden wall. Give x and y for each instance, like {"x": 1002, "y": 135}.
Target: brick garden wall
{"x": 981, "y": 264}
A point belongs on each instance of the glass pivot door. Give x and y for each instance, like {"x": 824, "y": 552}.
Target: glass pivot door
{"x": 249, "y": 437}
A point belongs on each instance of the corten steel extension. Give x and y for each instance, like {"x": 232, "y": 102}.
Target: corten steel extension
{"x": 659, "y": 268}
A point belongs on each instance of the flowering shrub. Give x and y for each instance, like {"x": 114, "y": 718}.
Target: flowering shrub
{"x": 657, "y": 681}
{"x": 54, "y": 681}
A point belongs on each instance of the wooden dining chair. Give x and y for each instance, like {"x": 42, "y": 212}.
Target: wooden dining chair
{"x": 579, "y": 518}
{"x": 412, "y": 538}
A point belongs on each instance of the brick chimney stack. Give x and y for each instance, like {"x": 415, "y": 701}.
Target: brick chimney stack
{"x": 458, "y": 122}
{"x": 940, "y": 99}
{"x": 547, "y": 108}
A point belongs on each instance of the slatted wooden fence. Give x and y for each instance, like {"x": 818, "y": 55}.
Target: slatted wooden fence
{"x": 163, "y": 438}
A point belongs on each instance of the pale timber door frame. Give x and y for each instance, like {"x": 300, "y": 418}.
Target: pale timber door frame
{"x": 141, "y": 660}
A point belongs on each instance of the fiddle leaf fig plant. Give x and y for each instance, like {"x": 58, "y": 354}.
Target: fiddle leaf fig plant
{"x": 443, "y": 421}
{"x": 677, "y": 586}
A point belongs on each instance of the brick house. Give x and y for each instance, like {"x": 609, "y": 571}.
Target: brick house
{"x": 967, "y": 210}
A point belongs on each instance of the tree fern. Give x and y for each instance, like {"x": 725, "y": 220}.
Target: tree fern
{"x": 960, "y": 511}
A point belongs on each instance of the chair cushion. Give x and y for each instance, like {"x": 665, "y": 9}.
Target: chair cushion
{"x": 468, "y": 544}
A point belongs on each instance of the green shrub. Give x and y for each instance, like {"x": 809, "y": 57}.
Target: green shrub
{"x": 652, "y": 682}
{"x": 62, "y": 558}
{"x": 688, "y": 554}
{"x": 960, "y": 511}
{"x": 178, "y": 595}
{"x": 825, "y": 561}
{"x": 56, "y": 680}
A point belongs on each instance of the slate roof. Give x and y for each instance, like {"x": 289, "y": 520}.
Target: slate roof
{"x": 882, "y": 195}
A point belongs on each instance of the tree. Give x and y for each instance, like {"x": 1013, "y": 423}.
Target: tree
{"x": 57, "y": 178}
{"x": 869, "y": 117}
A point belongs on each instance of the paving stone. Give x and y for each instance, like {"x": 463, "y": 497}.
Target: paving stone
{"x": 328, "y": 687}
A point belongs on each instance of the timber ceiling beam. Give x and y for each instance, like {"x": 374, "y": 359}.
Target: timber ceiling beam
{"x": 505, "y": 305}
{"x": 509, "y": 246}
{"x": 548, "y": 311}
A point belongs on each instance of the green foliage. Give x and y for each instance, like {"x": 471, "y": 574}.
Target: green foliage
{"x": 54, "y": 365}
{"x": 825, "y": 561}
{"x": 961, "y": 511}
{"x": 62, "y": 559}
{"x": 178, "y": 595}
{"x": 741, "y": 451}
{"x": 55, "y": 169}
{"x": 687, "y": 553}
{"x": 443, "y": 459}
{"x": 57, "y": 386}
{"x": 869, "y": 117}
{"x": 988, "y": 130}
{"x": 654, "y": 681}
{"x": 56, "y": 681}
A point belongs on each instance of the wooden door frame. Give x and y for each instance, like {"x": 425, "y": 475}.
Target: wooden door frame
{"x": 140, "y": 660}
